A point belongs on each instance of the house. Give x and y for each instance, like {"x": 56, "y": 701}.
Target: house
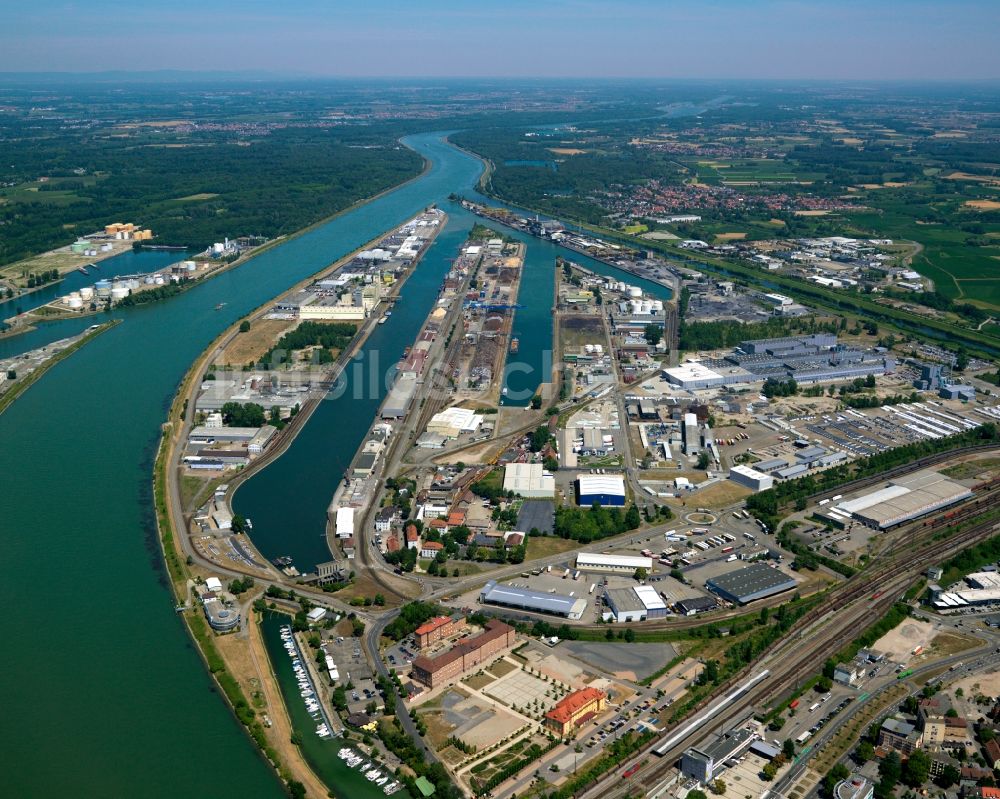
{"x": 512, "y": 540}
{"x": 429, "y": 549}
{"x": 438, "y": 524}
{"x": 385, "y": 518}
{"x": 412, "y": 537}
{"x": 992, "y": 754}
{"x": 845, "y": 675}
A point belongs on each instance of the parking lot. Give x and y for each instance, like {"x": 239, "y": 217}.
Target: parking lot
{"x": 354, "y": 669}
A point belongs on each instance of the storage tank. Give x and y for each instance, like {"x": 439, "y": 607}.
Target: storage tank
{"x": 107, "y": 247}
{"x": 118, "y": 293}
{"x": 634, "y": 291}
{"x": 588, "y": 348}
{"x": 79, "y": 247}
{"x": 189, "y": 264}
{"x": 657, "y": 306}
{"x": 598, "y": 348}
{"x": 74, "y": 301}
{"x": 87, "y": 292}
{"x": 636, "y": 306}
{"x": 103, "y": 288}
{"x": 158, "y": 280}
{"x": 646, "y": 307}
{"x": 148, "y": 280}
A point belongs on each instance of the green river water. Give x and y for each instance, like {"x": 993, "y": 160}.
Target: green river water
{"x": 106, "y": 696}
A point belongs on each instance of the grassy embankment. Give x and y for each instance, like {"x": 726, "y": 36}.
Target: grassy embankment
{"x": 22, "y": 384}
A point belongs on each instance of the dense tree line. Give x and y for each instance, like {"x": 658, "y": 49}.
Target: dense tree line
{"x": 590, "y": 524}
{"x": 154, "y": 294}
{"x": 327, "y": 335}
{"x": 411, "y": 616}
{"x": 249, "y": 414}
{"x": 278, "y": 184}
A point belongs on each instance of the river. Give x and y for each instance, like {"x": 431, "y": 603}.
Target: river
{"x": 105, "y": 695}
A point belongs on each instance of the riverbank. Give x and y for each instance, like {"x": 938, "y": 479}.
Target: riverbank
{"x": 173, "y": 521}
{"x": 22, "y": 384}
{"x": 329, "y": 375}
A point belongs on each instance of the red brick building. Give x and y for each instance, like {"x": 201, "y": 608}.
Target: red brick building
{"x": 437, "y": 628}
{"x": 461, "y": 658}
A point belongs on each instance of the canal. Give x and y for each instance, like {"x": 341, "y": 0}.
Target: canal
{"x": 321, "y": 754}
{"x": 105, "y": 694}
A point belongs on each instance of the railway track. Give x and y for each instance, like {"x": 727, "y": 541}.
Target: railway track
{"x": 797, "y": 656}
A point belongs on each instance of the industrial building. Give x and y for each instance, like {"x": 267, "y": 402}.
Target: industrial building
{"x": 751, "y": 478}
{"x": 496, "y": 637}
{"x": 756, "y": 581}
{"x": 508, "y": 596}
{"x": 690, "y": 440}
{"x": 695, "y": 605}
{"x": 530, "y": 480}
{"x": 904, "y": 499}
{"x": 982, "y": 588}
{"x": 695, "y": 375}
{"x": 345, "y": 522}
{"x": 597, "y": 562}
{"x": 635, "y": 604}
{"x": 452, "y": 422}
{"x": 606, "y": 489}
{"x": 574, "y": 710}
{"x": 703, "y": 764}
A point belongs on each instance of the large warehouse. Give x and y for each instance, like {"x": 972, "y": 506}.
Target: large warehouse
{"x": 607, "y": 489}
{"x": 695, "y": 375}
{"x": 752, "y": 582}
{"x": 904, "y": 499}
{"x": 596, "y": 562}
{"x": 635, "y": 604}
{"x": 530, "y": 480}
{"x": 534, "y": 601}
{"x": 751, "y": 478}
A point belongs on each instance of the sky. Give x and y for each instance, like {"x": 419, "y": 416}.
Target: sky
{"x": 754, "y": 39}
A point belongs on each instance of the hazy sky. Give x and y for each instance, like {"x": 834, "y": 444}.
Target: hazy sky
{"x": 887, "y": 39}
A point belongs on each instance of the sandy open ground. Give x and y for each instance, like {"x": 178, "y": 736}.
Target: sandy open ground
{"x": 811, "y": 213}
{"x": 566, "y": 151}
{"x": 251, "y": 346}
{"x": 898, "y": 644}
{"x": 730, "y": 236}
{"x": 983, "y": 205}
{"x": 987, "y": 683}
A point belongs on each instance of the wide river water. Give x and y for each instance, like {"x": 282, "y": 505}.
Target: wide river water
{"x": 106, "y": 696}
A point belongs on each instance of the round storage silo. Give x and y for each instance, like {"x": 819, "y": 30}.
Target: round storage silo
{"x": 74, "y": 302}
{"x": 87, "y": 293}
{"x": 119, "y": 293}
{"x": 103, "y": 288}
{"x": 657, "y": 306}
{"x": 635, "y": 292}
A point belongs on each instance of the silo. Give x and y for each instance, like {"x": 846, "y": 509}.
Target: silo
{"x": 119, "y": 293}
{"x": 103, "y": 288}
{"x": 657, "y": 306}
{"x": 74, "y": 301}
{"x": 635, "y": 292}
{"x": 87, "y": 292}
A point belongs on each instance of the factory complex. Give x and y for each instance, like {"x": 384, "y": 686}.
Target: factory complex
{"x": 805, "y": 359}
{"x": 981, "y": 588}
{"x": 903, "y": 499}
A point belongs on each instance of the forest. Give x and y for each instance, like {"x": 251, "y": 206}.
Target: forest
{"x": 191, "y": 189}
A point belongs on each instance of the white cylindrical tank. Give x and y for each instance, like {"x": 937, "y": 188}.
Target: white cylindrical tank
{"x": 634, "y": 291}
{"x": 647, "y": 306}
{"x": 189, "y": 264}
{"x": 158, "y": 280}
{"x": 119, "y": 293}
{"x": 87, "y": 292}
{"x": 588, "y": 348}
{"x": 599, "y": 349}
{"x": 636, "y": 306}
{"x": 74, "y": 302}
{"x": 657, "y": 306}
{"x": 107, "y": 247}
{"x": 148, "y": 280}
{"x": 132, "y": 283}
